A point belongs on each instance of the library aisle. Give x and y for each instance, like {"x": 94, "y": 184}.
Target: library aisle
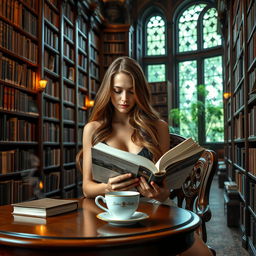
{"x": 225, "y": 240}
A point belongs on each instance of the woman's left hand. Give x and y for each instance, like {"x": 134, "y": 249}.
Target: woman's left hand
{"x": 152, "y": 190}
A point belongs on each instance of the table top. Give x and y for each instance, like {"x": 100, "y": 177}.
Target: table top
{"x": 82, "y": 227}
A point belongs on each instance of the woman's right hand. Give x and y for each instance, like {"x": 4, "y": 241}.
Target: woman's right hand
{"x": 122, "y": 182}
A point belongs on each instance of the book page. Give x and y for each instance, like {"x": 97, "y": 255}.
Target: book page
{"x": 114, "y": 153}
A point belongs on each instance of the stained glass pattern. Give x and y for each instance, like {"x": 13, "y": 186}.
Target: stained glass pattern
{"x": 155, "y": 36}
{"x": 210, "y": 36}
{"x": 187, "y": 27}
{"x": 213, "y": 99}
{"x": 187, "y": 96}
{"x": 156, "y": 73}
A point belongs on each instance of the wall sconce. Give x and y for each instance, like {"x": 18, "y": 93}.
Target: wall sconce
{"x": 42, "y": 84}
{"x": 226, "y": 95}
{"x": 88, "y": 103}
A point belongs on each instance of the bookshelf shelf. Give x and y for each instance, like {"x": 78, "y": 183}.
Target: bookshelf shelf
{"x": 240, "y": 65}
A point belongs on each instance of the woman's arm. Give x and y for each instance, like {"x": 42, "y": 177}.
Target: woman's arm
{"x": 90, "y": 188}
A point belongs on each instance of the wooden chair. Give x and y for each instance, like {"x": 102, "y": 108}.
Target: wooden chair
{"x": 195, "y": 191}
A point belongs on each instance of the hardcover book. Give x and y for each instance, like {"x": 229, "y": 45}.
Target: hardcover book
{"x": 175, "y": 165}
{"x": 44, "y": 207}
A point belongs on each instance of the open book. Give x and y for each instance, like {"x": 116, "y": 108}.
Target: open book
{"x": 175, "y": 164}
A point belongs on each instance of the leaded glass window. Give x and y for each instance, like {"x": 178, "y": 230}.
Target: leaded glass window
{"x": 213, "y": 99}
{"x": 210, "y": 36}
{"x": 155, "y": 30}
{"x": 187, "y": 27}
{"x": 156, "y": 73}
{"x": 187, "y": 97}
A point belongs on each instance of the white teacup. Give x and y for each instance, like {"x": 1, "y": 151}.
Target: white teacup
{"x": 121, "y": 204}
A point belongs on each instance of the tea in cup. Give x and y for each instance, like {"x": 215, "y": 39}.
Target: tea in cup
{"x": 121, "y": 205}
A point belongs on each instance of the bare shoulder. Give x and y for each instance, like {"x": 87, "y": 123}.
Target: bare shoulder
{"x": 163, "y": 135}
{"x": 89, "y": 129}
{"x": 162, "y": 126}
{"x": 91, "y": 126}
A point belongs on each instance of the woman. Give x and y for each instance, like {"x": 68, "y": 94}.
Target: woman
{"x": 123, "y": 118}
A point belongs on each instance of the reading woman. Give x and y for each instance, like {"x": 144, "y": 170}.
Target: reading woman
{"x": 123, "y": 118}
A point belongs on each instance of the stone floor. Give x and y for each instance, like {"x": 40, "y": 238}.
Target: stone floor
{"x": 226, "y": 241}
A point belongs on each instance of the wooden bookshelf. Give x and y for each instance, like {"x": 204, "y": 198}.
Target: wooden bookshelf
{"x": 159, "y": 98}
{"x": 239, "y": 29}
{"x": 117, "y": 41}
{"x": 41, "y": 131}
{"x": 71, "y": 44}
{"x": 18, "y": 98}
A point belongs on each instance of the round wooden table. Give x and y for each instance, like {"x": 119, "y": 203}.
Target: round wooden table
{"x": 167, "y": 231}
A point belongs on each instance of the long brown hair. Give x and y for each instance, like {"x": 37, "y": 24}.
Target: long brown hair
{"x": 142, "y": 117}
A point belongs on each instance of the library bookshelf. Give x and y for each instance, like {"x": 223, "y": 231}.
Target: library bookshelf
{"x": 117, "y": 41}
{"x": 41, "y": 130}
{"x": 159, "y": 98}
{"x": 239, "y": 29}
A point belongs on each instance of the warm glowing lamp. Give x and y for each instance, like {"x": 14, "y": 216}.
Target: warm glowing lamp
{"x": 226, "y": 95}
{"x": 88, "y": 103}
{"x": 42, "y": 84}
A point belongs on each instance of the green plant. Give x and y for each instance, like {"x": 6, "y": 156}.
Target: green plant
{"x": 185, "y": 121}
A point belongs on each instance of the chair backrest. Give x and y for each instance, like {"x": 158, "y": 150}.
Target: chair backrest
{"x": 195, "y": 191}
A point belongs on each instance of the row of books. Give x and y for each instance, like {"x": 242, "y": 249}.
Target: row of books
{"x": 237, "y": 11}
{"x": 51, "y": 109}
{"x": 251, "y": 18}
{"x": 252, "y": 81}
{"x": 51, "y": 182}
{"x": 15, "y": 100}
{"x": 159, "y": 99}
{"x": 51, "y": 132}
{"x": 82, "y": 79}
{"x": 252, "y": 122}
{"x": 69, "y": 134}
{"x": 239, "y": 156}
{"x": 68, "y": 50}
{"x": 16, "y": 160}
{"x": 51, "y": 16}
{"x": 51, "y": 61}
{"x": 252, "y": 199}
{"x": 239, "y": 70}
{"x": 68, "y": 32}
{"x": 69, "y": 176}
{"x": 239, "y": 126}
{"x": 14, "y": 129}
{"x": 14, "y": 11}
{"x": 114, "y": 47}
{"x": 69, "y": 154}
{"x": 51, "y": 156}
{"x": 82, "y": 61}
{"x": 17, "y": 43}
{"x": 81, "y": 23}
{"x": 69, "y": 113}
{"x": 69, "y": 12}
{"x": 158, "y": 87}
{"x": 239, "y": 98}
{"x": 69, "y": 72}
{"x": 252, "y": 161}
{"x": 14, "y": 191}
{"x": 114, "y": 36}
{"x": 252, "y": 49}
{"x": 51, "y": 38}
{"x": 18, "y": 74}
{"x": 52, "y": 88}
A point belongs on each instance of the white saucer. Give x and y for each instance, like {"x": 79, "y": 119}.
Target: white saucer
{"x": 137, "y": 216}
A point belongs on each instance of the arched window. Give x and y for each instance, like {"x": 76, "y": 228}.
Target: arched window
{"x": 190, "y": 63}
{"x": 155, "y": 46}
{"x": 199, "y": 75}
